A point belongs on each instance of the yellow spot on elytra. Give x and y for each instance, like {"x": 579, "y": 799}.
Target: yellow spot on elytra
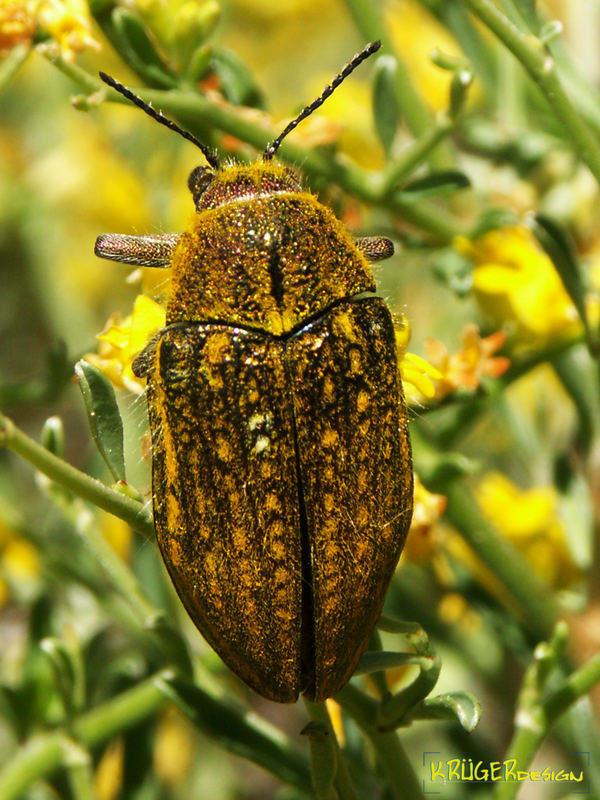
{"x": 224, "y": 451}
{"x": 328, "y": 502}
{"x": 174, "y": 552}
{"x": 355, "y": 361}
{"x": 173, "y": 510}
{"x": 362, "y": 517}
{"x": 344, "y": 327}
{"x": 328, "y": 389}
{"x": 275, "y": 323}
{"x": 210, "y": 563}
{"x": 240, "y": 539}
{"x": 272, "y": 502}
{"x": 362, "y": 401}
{"x": 362, "y": 480}
{"x": 278, "y": 549}
{"x": 216, "y": 346}
{"x": 330, "y": 437}
{"x": 281, "y": 575}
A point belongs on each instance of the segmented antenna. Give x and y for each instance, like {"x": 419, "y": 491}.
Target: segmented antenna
{"x": 209, "y": 154}
{"x": 371, "y": 48}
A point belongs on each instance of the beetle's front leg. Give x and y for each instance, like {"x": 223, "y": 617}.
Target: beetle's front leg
{"x": 151, "y": 250}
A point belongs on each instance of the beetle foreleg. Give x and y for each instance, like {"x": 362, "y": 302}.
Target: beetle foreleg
{"x": 375, "y": 248}
{"x": 153, "y": 250}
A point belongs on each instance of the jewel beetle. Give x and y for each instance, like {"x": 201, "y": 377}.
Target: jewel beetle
{"x": 281, "y": 465}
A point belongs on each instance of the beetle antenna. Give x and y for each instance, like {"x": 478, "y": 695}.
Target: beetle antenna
{"x": 209, "y": 154}
{"x": 371, "y": 48}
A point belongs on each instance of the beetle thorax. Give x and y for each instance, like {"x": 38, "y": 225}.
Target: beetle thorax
{"x": 262, "y": 253}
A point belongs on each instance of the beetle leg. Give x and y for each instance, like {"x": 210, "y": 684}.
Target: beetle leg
{"x": 375, "y": 248}
{"x": 142, "y": 363}
{"x": 153, "y": 250}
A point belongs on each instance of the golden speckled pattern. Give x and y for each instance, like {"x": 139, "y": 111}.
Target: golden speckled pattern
{"x": 226, "y": 497}
{"x": 355, "y": 464}
{"x": 283, "y": 490}
{"x": 252, "y": 263}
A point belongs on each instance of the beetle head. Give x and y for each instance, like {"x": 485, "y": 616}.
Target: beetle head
{"x": 211, "y": 189}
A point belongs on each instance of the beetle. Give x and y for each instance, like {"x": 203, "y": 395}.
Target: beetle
{"x": 281, "y": 465}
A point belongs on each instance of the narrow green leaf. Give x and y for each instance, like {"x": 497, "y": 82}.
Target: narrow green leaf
{"x": 491, "y": 219}
{"x": 138, "y": 51}
{"x": 199, "y": 63}
{"x": 103, "y": 416}
{"x": 12, "y": 63}
{"x": 557, "y": 245}
{"x": 244, "y": 736}
{"x": 382, "y": 660}
{"x": 462, "y": 706}
{"x": 385, "y": 103}
{"x": 236, "y": 80}
{"x": 434, "y": 184}
{"x": 323, "y": 758}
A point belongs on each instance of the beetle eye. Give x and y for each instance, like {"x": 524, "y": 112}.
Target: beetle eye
{"x": 199, "y": 180}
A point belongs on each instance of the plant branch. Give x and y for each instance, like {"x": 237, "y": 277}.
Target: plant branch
{"x": 44, "y": 753}
{"x": 84, "y": 486}
{"x": 540, "y": 65}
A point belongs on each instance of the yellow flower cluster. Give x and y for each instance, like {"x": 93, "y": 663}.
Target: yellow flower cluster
{"x": 517, "y": 286}
{"x": 19, "y": 562}
{"x": 67, "y": 22}
{"x": 121, "y": 340}
{"x": 530, "y": 521}
{"x": 424, "y": 537}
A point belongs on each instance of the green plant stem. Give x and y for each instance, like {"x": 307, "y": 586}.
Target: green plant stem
{"x": 330, "y": 754}
{"x": 119, "y": 573}
{"x": 12, "y": 63}
{"x": 84, "y": 486}
{"x": 416, "y": 153}
{"x": 391, "y": 757}
{"x": 534, "y": 723}
{"x": 529, "y": 597}
{"x": 538, "y": 62}
{"x": 44, "y": 753}
{"x": 396, "y": 766}
{"x": 78, "y": 765}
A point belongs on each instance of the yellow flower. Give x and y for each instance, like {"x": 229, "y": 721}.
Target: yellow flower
{"x": 415, "y": 33}
{"x": 516, "y": 283}
{"x": 423, "y": 538}
{"x": 68, "y": 23}
{"x": 453, "y": 609}
{"x": 122, "y": 340}
{"x": 117, "y": 533}
{"x": 19, "y": 563}
{"x": 108, "y": 778}
{"x": 530, "y": 521}
{"x": 17, "y": 24}
{"x": 173, "y": 748}
{"x": 467, "y": 367}
{"x": 418, "y": 376}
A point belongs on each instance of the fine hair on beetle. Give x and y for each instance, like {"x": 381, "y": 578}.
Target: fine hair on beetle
{"x": 281, "y": 463}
